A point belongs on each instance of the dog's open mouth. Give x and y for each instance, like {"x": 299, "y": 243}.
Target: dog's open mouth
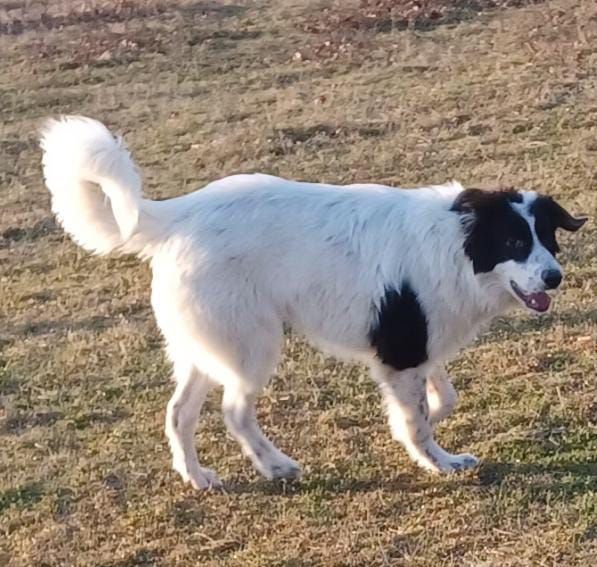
{"x": 538, "y": 301}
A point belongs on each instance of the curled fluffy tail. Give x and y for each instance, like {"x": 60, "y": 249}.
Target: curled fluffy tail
{"x": 95, "y": 185}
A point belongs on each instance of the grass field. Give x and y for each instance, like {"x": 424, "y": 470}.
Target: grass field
{"x": 205, "y": 89}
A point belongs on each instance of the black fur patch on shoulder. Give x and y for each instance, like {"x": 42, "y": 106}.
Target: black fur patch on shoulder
{"x": 496, "y": 233}
{"x": 400, "y": 334}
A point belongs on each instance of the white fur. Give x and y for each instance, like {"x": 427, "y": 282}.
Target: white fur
{"x": 235, "y": 262}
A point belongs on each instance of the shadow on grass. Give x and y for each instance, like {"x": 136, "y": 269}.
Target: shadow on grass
{"x": 21, "y": 497}
{"x": 339, "y": 485}
{"x": 39, "y": 328}
{"x": 491, "y": 474}
{"x": 506, "y": 328}
{"x": 40, "y": 229}
{"x": 487, "y": 475}
{"x": 62, "y": 326}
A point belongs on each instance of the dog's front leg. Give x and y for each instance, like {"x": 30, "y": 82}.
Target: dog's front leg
{"x": 441, "y": 395}
{"x": 405, "y": 395}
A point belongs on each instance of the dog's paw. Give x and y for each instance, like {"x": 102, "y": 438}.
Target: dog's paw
{"x": 446, "y": 463}
{"x": 199, "y": 478}
{"x": 282, "y": 468}
{"x": 289, "y": 472}
{"x": 460, "y": 463}
{"x": 205, "y": 479}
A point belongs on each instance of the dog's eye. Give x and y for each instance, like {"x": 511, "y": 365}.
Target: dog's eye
{"x": 515, "y": 243}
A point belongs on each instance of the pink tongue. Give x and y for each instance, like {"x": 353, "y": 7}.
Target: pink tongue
{"x": 540, "y": 301}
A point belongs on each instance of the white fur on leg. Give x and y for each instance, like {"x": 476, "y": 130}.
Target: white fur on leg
{"x": 181, "y": 421}
{"x": 441, "y": 395}
{"x": 239, "y": 415}
{"x": 405, "y": 396}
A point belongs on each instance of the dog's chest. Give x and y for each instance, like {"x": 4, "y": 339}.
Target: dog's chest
{"x": 449, "y": 331}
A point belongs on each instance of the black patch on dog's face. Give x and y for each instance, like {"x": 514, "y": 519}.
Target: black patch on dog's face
{"x": 400, "y": 335}
{"x": 545, "y": 223}
{"x": 496, "y": 233}
{"x": 550, "y": 216}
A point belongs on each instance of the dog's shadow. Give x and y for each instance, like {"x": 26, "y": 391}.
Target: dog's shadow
{"x": 546, "y": 475}
{"x": 554, "y": 477}
{"x": 315, "y": 483}
{"x": 509, "y": 327}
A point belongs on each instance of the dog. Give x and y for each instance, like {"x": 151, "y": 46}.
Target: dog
{"x": 397, "y": 279}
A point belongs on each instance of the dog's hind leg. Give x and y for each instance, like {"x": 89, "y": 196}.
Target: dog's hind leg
{"x": 238, "y": 405}
{"x": 441, "y": 395}
{"x": 405, "y": 395}
{"x": 182, "y": 414}
{"x": 255, "y": 356}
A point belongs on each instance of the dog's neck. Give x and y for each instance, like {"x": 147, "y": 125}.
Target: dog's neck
{"x": 467, "y": 304}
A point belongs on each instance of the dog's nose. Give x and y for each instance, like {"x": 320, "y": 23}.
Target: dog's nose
{"x": 552, "y": 278}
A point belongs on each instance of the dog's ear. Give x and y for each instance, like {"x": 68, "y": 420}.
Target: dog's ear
{"x": 476, "y": 200}
{"x": 468, "y": 200}
{"x": 561, "y": 218}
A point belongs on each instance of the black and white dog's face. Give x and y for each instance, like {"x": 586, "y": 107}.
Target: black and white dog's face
{"x": 511, "y": 237}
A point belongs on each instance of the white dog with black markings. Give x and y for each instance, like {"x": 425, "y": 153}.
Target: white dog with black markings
{"x": 398, "y": 279}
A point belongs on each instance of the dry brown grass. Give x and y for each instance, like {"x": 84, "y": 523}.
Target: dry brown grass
{"x": 205, "y": 89}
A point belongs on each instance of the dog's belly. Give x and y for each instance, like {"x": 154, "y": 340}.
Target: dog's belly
{"x": 338, "y": 327}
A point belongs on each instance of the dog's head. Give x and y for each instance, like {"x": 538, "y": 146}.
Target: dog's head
{"x": 511, "y": 239}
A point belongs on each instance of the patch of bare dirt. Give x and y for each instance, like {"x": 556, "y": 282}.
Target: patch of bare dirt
{"x": 16, "y": 22}
{"x": 17, "y": 18}
{"x": 287, "y": 140}
{"x": 116, "y": 31}
{"x": 341, "y": 29}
